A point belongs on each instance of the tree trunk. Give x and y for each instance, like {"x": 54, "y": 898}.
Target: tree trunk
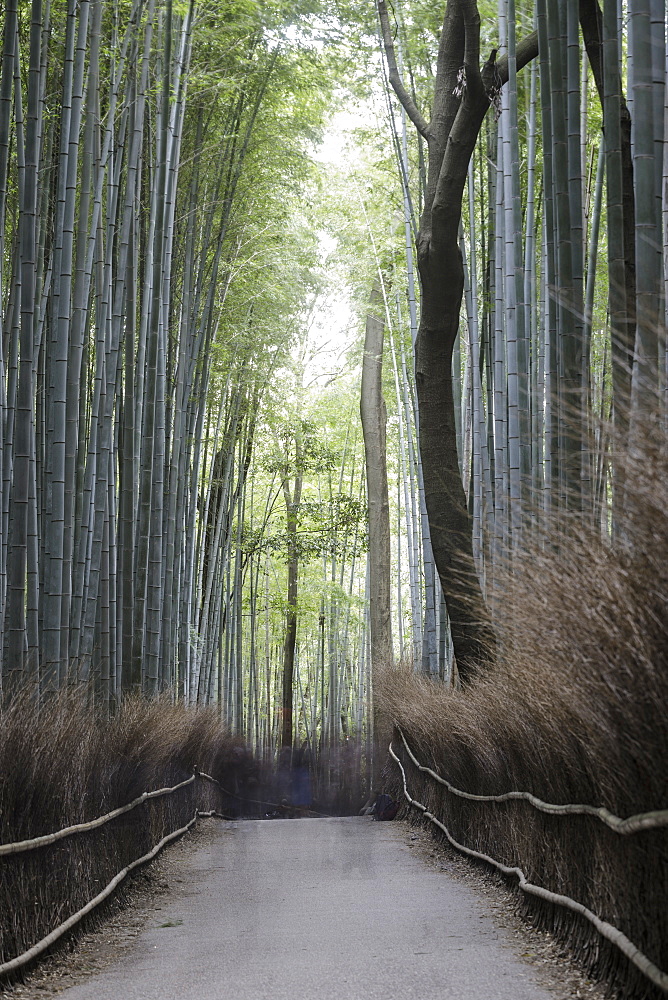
{"x": 374, "y": 418}
{"x": 292, "y": 509}
{"x": 600, "y": 35}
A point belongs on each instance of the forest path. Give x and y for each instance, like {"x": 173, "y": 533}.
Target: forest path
{"x": 315, "y": 909}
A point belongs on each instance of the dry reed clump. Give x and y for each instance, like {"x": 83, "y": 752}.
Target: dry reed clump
{"x": 63, "y": 765}
{"x": 575, "y": 712}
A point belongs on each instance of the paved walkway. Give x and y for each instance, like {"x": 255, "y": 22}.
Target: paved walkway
{"x": 317, "y": 909}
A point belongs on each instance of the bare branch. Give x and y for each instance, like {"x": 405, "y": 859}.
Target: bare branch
{"x": 405, "y": 98}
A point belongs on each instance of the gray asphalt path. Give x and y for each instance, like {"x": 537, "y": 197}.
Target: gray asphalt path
{"x": 316, "y": 909}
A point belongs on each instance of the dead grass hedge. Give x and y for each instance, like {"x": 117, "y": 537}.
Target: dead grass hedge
{"x": 63, "y": 765}
{"x": 575, "y": 711}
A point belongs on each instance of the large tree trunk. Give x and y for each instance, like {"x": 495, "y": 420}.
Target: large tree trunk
{"x": 600, "y": 37}
{"x": 449, "y": 520}
{"x": 374, "y": 418}
{"x": 462, "y": 95}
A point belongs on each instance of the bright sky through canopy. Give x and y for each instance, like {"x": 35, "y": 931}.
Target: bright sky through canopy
{"x": 332, "y": 328}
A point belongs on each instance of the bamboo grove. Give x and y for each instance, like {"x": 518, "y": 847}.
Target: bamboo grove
{"x": 181, "y": 510}
{"x": 139, "y": 189}
{"x": 170, "y": 508}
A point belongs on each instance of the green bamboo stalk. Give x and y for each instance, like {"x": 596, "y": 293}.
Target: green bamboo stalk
{"x": 15, "y": 624}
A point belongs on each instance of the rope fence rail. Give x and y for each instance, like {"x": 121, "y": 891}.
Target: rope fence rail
{"x": 41, "y": 946}
{"x": 26, "y": 845}
{"x": 634, "y": 824}
{"x": 605, "y": 929}
{"x": 68, "y": 831}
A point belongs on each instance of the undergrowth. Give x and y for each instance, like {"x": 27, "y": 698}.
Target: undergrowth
{"x": 574, "y": 711}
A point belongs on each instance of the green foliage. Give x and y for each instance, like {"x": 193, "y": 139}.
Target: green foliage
{"x": 324, "y": 528}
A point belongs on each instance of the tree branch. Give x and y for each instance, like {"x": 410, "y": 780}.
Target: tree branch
{"x": 471, "y": 17}
{"x": 591, "y": 22}
{"x": 527, "y": 50}
{"x": 461, "y": 143}
{"x": 404, "y": 97}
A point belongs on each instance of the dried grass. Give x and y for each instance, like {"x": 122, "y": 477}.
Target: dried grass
{"x": 574, "y": 711}
{"x": 63, "y": 765}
